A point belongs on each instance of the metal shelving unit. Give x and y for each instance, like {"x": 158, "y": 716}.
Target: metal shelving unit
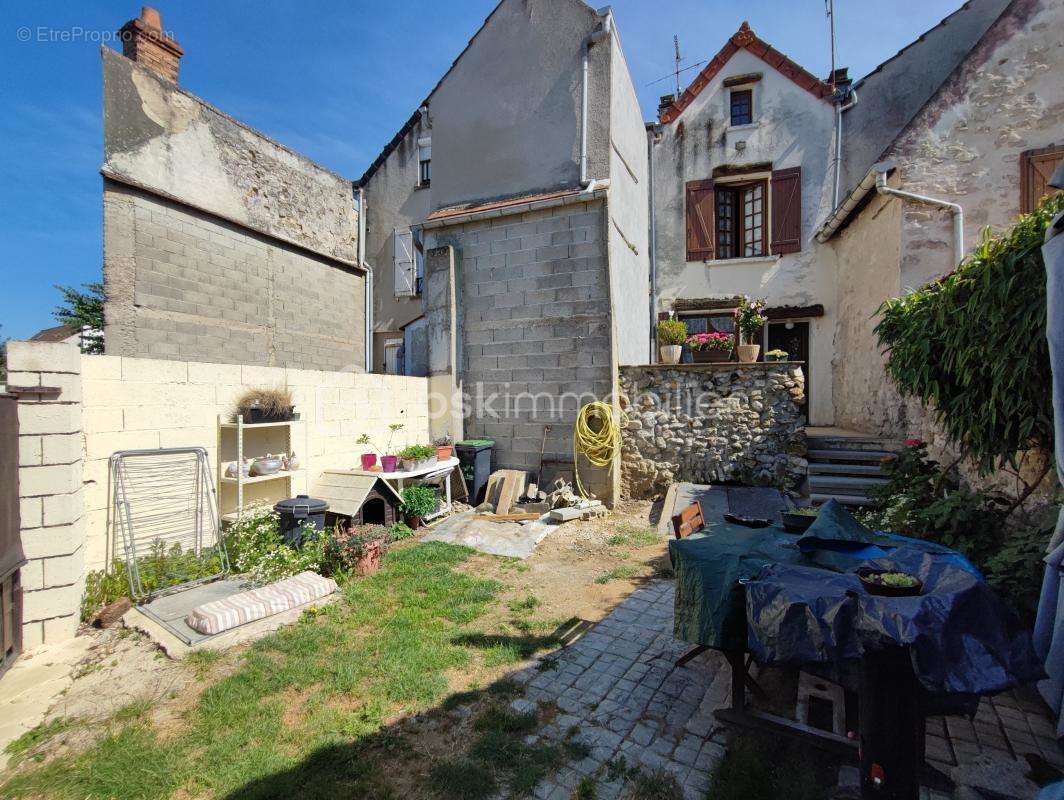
{"x": 239, "y": 440}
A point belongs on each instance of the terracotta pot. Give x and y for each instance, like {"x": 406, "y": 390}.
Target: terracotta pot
{"x": 370, "y": 561}
{"x": 414, "y": 522}
{"x": 710, "y": 356}
{"x": 388, "y": 463}
{"x": 368, "y": 460}
{"x": 670, "y": 353}
{"x": 444, "y": 453}
{"x": 748, "y": 353}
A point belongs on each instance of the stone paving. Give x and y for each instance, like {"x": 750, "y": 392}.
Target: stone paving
{"x": 618, "y": 686}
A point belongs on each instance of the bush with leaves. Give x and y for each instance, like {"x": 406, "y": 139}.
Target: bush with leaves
{"x": 972, "y": 345}
{"x": 346, "y": 544}
{"x": 83, "y": 310}
{"x": 419, "y": 501}
{"x": 672, "y": 332}
{"x": 257, "y": 549}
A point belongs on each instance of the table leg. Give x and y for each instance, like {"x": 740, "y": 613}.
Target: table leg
{"x": 447, "y": 488}
{"x": 892, "y": 727}
{"x": 738, "y": 680}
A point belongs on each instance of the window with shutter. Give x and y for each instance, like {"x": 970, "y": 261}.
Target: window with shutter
{"x": 786, "y": 210}
{"x": 1036, "y": 168}
{"x": 405, "y": 264}
{"x": 700, "y": 217}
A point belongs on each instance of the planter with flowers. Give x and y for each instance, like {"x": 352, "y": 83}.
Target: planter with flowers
{"x": 672, "y": 333}
{"x": 776, "y": 355}
{"x": 444, "y": 448}
{"x": 710, "y": 347}
{"x": 356, "y": 547}
{"x": 369, "y": 459}
{"x": 416, "y": 456}
{"x": 749, "y": 320}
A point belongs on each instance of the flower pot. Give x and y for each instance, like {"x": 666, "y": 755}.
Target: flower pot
{"x": 370, "y": 561}
{"x": 710, "y": 356}
{"x": 748, "y": 353}
{"x": 388, "y": 463}
{"x": 413, "y": 522}
{"x": 444, "y": 453}
{"x": 409, "y": 464}
{"x": 670, "y": 353}
{"x": 775, "y": 358}
{"x": 256, "y": 416}
{"x": 368, "y": 460}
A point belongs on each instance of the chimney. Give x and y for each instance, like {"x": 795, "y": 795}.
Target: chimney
{"x": 665, "y": 103}
{"x": 144, "y": 41}
{"x": 842, "y": 80}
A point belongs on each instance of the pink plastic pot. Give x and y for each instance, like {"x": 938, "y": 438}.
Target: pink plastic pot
{"x": 388, "y": 463}
{"x": 368, "y": 460}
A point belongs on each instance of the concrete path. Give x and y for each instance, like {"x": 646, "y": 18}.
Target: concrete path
{"x": 33, "y": 684}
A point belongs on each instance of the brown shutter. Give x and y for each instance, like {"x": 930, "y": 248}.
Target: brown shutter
{"x": 699, "y": 212}
{"x": 1036, "y": 168}
{"x": 787, "y": 210}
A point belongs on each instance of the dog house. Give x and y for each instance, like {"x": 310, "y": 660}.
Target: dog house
{"x": 366, "y": 499}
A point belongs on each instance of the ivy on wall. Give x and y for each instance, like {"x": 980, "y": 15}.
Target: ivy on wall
{"x": 972, "y": 345}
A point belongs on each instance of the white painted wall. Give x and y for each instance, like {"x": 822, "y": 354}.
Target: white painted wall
{"x": 793, "y": 128}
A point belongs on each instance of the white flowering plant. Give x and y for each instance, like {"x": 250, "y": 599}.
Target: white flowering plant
{"x": 256, "y": 548}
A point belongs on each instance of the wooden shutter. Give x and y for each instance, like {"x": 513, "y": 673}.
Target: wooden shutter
{"x": 699, "y": 214}
{"x": 786, "y": 210}
{"x": 405, "y": 264}
{"x": 1036, "y": 168}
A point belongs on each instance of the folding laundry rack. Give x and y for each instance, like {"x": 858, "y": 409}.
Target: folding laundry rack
{"x": 161, "y": 498}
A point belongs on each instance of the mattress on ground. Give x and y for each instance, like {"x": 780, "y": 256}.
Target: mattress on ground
{"x": 239, "y": 609}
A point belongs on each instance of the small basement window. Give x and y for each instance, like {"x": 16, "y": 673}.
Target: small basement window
{"x": 742, "y": 106}
{"x": 424, "y": 161}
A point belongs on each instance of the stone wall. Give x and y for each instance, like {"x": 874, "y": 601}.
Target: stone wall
{"x": 534, "y": 326}
{"x": 221, "y": 245}
{"x": 710, "y": 423}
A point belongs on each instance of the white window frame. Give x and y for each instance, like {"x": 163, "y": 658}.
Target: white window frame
{"x": 404, "y": 261}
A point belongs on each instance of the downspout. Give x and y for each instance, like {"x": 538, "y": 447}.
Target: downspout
{"x": 839, "y": 108}
{"x": 369, "y": 277}
{"x": 953, "y": 208}
{"x": 592, "y": 38}
{"x": 652, "y": 135}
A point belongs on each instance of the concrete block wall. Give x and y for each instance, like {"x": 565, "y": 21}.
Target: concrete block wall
{"x": 534, "y": 321}
{"x": 185, "y": 284}
{"x": 51, "y": 503}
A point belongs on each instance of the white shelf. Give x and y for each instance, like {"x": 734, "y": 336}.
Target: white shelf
{"x": 262, "y": 478}
{"x": 261, "y": 425}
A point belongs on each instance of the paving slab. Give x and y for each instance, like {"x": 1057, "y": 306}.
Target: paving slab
{"x": 510, "y": 539}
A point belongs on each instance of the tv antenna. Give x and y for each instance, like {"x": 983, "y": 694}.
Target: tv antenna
{"x": 829, "y": 8}
{"x": 676, "y": 47}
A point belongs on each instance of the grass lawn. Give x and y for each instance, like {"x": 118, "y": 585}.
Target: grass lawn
{"x": 312, "y": 710}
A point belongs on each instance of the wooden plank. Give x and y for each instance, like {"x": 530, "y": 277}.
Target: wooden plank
{"x": 516, "y": 517}
{"x": 7, "y": 614}
{"x": 504, "y": 488}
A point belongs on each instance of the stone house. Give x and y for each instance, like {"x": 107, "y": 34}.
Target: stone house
{"x": 530, "y": 164}
{"x": 980, "y": 126}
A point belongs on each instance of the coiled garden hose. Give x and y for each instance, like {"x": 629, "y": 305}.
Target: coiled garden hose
{"x": 597, "y": 436}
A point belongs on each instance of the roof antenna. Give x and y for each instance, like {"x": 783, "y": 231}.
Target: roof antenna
{"x": 676, "y": 46}
{"x": 829, "y": 8}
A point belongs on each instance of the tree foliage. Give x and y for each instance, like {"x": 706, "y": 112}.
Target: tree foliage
{"x": 972, "y": 345}
{"x": 83, "y": 309}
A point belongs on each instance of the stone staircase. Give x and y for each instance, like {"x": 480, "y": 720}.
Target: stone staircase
{"x": 846, "y": 465}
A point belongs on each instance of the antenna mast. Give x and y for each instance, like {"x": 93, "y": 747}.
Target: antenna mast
{"x": 829, "y": 7}
{"x": 676, "y": 46}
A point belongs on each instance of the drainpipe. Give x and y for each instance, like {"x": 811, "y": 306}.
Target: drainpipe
{"x": 592, "y": 38}
{"x": 953, "y": 208}
{"x": 652, "y": 136}
{"x": 839, "y": 108}
{"x": 369, "y": 277}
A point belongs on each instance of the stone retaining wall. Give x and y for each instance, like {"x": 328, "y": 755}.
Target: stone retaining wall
{"x": 709, "y": 423}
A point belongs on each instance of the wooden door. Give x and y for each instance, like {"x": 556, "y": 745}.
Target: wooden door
{"x": 11, "y": 554}
{"x": 795, "y": 340}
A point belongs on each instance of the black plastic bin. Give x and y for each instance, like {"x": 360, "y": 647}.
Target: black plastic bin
{"x": 295, "y": 511}
{"x": 476, "y": 459}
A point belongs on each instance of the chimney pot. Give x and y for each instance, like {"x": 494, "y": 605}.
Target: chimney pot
{"x": 145, "y": 41}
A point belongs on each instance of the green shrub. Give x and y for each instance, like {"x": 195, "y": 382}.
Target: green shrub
{"x": 419, "y": 501}
{"x": 345, "y": 545}
{"x": 400, "y": 531}
{"x": 671, "y": 332}
{"x": 417, "y": 452}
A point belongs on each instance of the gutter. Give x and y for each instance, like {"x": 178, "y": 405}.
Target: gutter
{"x": 592, "y": 38}
{"x": 653, "y": 132}
{"x": 839, "y": 108}
{"x": 856, "y": 196}
{"x": 369, "y": 277}
{"x": 954, "y": 208}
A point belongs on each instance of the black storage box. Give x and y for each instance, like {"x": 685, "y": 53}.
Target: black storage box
{"x": 476, "y": 459}
{"x": 294, "y": 512}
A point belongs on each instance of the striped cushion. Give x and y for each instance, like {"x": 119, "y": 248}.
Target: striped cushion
{"x": 239, "y": 609}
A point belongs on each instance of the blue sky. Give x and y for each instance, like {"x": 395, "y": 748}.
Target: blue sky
{"x": 332, "y": 80}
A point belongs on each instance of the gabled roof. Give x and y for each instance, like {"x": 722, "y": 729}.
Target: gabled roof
{"x": 746, "y": 39}
{"x": 57, "y": 334}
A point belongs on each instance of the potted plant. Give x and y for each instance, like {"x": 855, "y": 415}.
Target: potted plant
{"x": 369, "y": 460}
{"x": 388, "y": 462}
{"x": 417, "y": 455}
{"x": 356, "y": 547}
{"x": 749, "y": 320}
{"x": 672, "y": 333}
{"x": 710, "y": 347}
{"x": 444, "y": 447}
{"x": 266, "y": 405}
{"x": 418, "y": 503}
{"x": 776, "y": 355}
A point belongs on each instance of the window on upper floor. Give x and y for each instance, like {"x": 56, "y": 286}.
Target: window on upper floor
{"x": 741, "y": 103}
{"x": 744, "y": 218}
{"x": 424, "y": 161}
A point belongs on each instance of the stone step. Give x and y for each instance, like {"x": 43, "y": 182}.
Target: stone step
{"x": 826, "y": 468}
{"x": 835, "y": 482}
{"x": 816, "y": 454}
{"x": 819, "y": 498}
{"x": 854, "y": 443}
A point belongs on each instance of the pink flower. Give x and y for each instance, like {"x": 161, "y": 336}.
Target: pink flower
{"x": 914, "y": 442}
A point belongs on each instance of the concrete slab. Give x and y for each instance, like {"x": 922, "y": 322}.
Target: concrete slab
{"x": 512, "y": 539}
{"x": 33, "y": 684}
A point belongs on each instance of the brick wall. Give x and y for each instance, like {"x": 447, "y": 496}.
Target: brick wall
{"x": 534, "y": 320}
{"x": 50, "y": 488}
{"x": 188, "y": 285}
